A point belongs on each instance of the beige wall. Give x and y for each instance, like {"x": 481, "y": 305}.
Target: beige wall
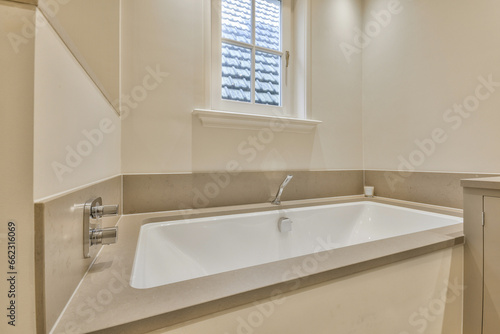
{"x": 416, "y": 65}
{"x": 426, "y": 60}
{"x": 336, "y": 86}
{"x": 91, "y": 30}
{"x": 390, "y": 299}
{"x": 16, "y": 169}
{"x": 77, "y": 131}
{"x": 161, "y": 136}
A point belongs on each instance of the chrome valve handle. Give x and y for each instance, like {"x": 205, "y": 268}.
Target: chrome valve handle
{"x": 103, "y": 236}
{"x": 93, "y": 234}
{"x": 103, "y": 210}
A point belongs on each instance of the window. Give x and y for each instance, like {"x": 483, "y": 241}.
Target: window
{"x": 251, "y": 40}
{"x": 251, "y": 51}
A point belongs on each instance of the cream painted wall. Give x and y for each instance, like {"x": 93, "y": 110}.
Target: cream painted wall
{"x": 91, "y": 30}
{"x": 420, "y": 295}
{"x": 424, "y": 62}
{"x": 159, "y": 134}
{"x": 16, "y": 168}
{"x": 77, "y": 131}
{"x": 163, "y": 35}
{"x": 336, "y": 86}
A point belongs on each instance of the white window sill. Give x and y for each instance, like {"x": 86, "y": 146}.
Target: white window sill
{"x": 234, "y": 120}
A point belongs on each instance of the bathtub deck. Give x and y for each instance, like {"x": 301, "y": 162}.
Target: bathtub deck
{"x": 123, "y": 309}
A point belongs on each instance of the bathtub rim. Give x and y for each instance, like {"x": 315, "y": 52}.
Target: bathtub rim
{"x": 156, "y": 217}
{"x": 231, "y": 289}
{"x": 173, "y": 220}
{"x": 148, "y": 224}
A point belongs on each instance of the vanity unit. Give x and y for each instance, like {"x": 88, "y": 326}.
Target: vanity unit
{"x": 482, "y": 255}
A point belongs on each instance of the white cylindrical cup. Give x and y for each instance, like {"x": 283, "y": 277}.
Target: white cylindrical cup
{"x": 369, "y": 191}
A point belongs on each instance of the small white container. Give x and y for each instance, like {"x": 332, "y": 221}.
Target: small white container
{"x": 369, "y": 191}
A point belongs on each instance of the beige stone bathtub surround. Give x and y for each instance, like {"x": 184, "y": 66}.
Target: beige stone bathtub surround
{"x": 59, "y": 247}
{"x": 59, "y": 222}
{"x": 364, "y": 303}
{"x": 162, "y": 192}
{"x": 124, "y": 309}
{"x": 436, "y": 188}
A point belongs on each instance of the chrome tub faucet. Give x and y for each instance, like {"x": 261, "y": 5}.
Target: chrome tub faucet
{"x": 277, "y": 199}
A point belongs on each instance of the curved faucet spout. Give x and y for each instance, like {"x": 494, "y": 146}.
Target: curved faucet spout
{"x": 277, "y": 199}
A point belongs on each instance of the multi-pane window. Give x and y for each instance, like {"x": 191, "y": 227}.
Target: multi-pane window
{"x": 251, "y": 61}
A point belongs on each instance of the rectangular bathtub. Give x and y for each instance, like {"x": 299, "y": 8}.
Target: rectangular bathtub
{"x": 170, "y": 252}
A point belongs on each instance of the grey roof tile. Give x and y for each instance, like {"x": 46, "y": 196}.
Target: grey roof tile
{"x": 236, "y": 61}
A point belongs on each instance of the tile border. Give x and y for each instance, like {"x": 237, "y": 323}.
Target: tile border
{"x": 164, "y": 192}
{"x": 435, "y": 188}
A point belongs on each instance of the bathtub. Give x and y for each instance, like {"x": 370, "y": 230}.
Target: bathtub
{"x": 176, "y": 251}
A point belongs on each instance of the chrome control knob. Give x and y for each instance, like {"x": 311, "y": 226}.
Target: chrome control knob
{"x": 104, "y": 210}
{"x": 104, "y": 236}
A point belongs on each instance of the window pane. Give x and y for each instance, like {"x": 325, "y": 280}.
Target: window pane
{"x": 267, "y": 78}
{"x": 236, "y": 18}
{"x": 236, "y": 73}
{"x": 268, "y": 24}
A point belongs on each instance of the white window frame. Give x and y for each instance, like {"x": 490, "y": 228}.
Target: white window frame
{"x": 216, "y": 101}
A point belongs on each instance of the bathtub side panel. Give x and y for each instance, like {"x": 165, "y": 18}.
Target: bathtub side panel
{"x": 422, "y": 294}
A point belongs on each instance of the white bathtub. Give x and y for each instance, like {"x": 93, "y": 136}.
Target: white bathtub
{"x": 169, "y": 252}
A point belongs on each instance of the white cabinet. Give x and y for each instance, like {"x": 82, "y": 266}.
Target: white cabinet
{"x": 482, "y": 256}
{"x": 491, "y": 294}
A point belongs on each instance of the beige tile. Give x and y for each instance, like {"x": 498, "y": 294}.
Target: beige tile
{"x": 162, "y": 192}
{"x": 59, "y": 249}
{"x": 155, "y": 192}
{"x": 423, "y": 187}
{"x": 40, "y": 268}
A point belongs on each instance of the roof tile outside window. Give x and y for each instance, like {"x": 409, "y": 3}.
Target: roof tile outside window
{"x": 236, "y": 19}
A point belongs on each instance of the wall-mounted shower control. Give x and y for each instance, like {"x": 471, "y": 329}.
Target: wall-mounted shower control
{"x": 93, "y": 233}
